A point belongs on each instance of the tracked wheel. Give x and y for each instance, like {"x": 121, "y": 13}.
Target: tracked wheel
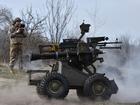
{"x": 54, "y": 85}
{"x": 98, "y": 87}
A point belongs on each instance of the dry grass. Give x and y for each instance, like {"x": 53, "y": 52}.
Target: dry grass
{"x": 5, "y": 73}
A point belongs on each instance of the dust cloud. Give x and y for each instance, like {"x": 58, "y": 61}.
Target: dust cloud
{"x": 127, "y": 77}
{"x": 19, "y": 93}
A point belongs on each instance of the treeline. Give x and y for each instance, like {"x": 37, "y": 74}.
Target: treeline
{"x": 31, "y": 42}
{"x": 41, "y": 29}
{"x": 52, "y": 27}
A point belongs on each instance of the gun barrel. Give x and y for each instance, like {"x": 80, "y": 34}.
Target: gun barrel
{"x": 110, "y": 47}
{"x": 96, "y": 39}
{"x": 109, "y": 43}
{"x": 103, "y": 44}
{"x": 57, "y": 55}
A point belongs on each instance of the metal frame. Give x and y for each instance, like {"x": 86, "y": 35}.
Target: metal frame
{"x": 30, "y": 72}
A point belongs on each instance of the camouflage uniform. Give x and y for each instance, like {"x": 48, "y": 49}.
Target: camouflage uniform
{"x": 16, "y": 39}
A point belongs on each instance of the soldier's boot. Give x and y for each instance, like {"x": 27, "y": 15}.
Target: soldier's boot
{"x": 12, "y": 71}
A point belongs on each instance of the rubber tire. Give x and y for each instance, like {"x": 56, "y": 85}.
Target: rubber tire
{"x": 39, "y": 89}
{"x": 43, "y": 89}
{"x": 88, "y": 87}
{"x": 40, "y": 93}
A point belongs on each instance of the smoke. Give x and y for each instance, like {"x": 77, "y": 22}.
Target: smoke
{"x": 19, "y": 93}
{"x": 126, "y": 74}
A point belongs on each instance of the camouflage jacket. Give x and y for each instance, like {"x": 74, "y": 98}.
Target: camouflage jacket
{"x": 16, "y": 36}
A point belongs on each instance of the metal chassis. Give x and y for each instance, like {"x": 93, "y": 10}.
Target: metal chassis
{"x": 30, "y": 72}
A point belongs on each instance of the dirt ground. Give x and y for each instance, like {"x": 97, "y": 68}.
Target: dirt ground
{"x": 15, "y": 91}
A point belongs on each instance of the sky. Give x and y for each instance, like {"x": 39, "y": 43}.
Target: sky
{"x": 114, "y": 17}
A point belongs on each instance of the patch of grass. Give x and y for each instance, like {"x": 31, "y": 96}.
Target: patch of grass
{"x": 2, "y": 65}
{"x": 5, "y": 73}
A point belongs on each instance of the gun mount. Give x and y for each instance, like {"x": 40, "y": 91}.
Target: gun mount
{"x": 84, "y": 29}
{"x": 71, "y": 71}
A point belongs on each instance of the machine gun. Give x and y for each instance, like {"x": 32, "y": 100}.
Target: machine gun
{"x": 71, "y": 70}
{"x": 78, "y": 53}
{"x": 102, "y": 43}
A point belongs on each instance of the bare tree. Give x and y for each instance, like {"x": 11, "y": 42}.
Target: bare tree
{"x": 5, "y": 21}
{"x": 4, "y": 45}
{"x": 5, "y": 16}
{"x": 33, "y": 21}
{"x": 74, "y": 32}
{"x": 59, "y": 13}
{"x": 35, "y": 27}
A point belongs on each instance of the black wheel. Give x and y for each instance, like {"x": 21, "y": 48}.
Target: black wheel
{"x": 54, "y": 85}
{"x": 40, "y": 93}
{"x": 80, "y": 93}
{"x": 39, "y": 89}
{"x": 98, "y": 87}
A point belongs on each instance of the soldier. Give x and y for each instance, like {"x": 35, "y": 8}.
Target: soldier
{"x": 17, "y": 34}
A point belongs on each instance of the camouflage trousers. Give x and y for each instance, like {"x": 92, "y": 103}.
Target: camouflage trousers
{"x": 15, "y": 55}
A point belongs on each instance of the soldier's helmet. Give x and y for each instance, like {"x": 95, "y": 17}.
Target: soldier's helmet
{"x": 17, "y": 19}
